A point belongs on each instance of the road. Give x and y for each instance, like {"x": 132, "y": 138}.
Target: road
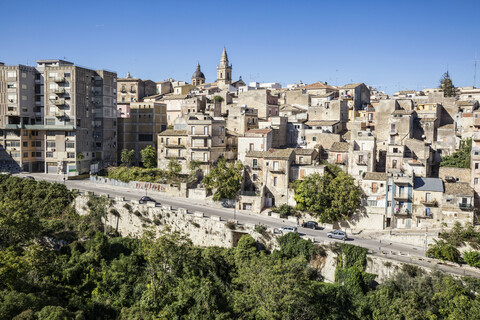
{"x": 397, "y": 251}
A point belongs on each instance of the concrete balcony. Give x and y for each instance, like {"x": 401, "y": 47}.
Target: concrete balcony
{"x": 200, "y": 147}
{"x": 429, "y": 203}
{"x": 401, "y": 196}
{"x": 59, "y": 79}
{"x": 175, "y": 146}
{"x": 60, "y": 91}
{"x": 60, "y": 114}
{"x": 59, "y": 102}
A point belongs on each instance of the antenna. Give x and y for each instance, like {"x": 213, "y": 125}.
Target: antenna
{"x": 475, "y": 70}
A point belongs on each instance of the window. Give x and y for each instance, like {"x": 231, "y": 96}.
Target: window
{"x": 179, "y": 152}
{"x": 274, "y": 181}
{"x": 251, "y": 147}
{"x": 179, "y": 141}
{"x": 300, "y": 160}
{"x": 475, "y": 181}
{"x": 360, "y": 158}
{"x": 25, "y": 144}
{"x": 205, "y": 130}
{"x": 374, "y": 187}
{"x": 193, "y": 130}
{"x": 50, "y": 133}
{"x": 11, "y": 74}
{"x": 25, "y": 154}
{"x": 254, "y": 177}
{"x": 145, "y": 137}
{"x": 11, "y": 85}
{"x": 476, "y": 165}
{"x": 275, "y": 165}
{"x": 70, "y": 155}
{"x": 314, "y": 139}
{"x": 51, "y": 144}
{"x": 33, "y": 154}
{"x": 255, "y": 163}
{"x": 69, "y": 145}
{"x": 49, "y": 154}
{"x": 427, "y": 212}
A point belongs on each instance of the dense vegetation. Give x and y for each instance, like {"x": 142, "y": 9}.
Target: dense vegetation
{"x": 93, "y": 276}
{"x": 446, "y": 84}
{"x": 447, "y": 247}
{"x": 331, "y": 197}
{"x": 127, "y": 174}
{"x": 461, "y": 158}
{"x": 225, "y": 178}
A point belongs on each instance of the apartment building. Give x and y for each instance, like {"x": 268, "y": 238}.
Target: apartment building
{"x": 134, "y": 89}
{"x": 57, "y": 118}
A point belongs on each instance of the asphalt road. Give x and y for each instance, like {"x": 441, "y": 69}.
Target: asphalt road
{"x": 396, "y": 251}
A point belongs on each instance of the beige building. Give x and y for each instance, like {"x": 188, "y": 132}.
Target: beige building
{"x": 241, "y": 119}
{"x": 133, "y": 89}
{"x": 202, "y": 138}
{"x": 140, "y": 129}
{"x": 254, "y": 140}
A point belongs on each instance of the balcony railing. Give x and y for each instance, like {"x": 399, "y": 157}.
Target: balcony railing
{"x": 59, "y": 102}
{"x": 250, "y": 193}
{"x": 401, "y": 196}
{"x": 60, "y": 91}
{"x": 465, "y": 206}
{"x": 175, "y": 146}
{"x": 60, "y": 114}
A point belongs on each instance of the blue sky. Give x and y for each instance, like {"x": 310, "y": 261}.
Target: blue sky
{"x": 392, "y": 45}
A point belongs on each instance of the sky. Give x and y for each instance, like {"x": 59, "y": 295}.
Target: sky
{"x": 391, "y": 45}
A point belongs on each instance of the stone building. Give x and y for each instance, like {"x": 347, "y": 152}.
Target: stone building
{"x": 262, "y": 100}
{"x": 57, "y": 118}
{"x": 254, "y": 140}
{"x": 427, "y": 201}
{"x": 224, "y": 70}
{"x": 362, "y": 154}
{"x": 198, "y": 78}
{"x": 141, "y": 127}
{"x": 134, "y": 89}
{"x": 240, "y": 119}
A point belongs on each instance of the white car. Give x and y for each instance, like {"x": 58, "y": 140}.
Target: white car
{"x": 288, "y": 229}
{"x": 337, "y": 234}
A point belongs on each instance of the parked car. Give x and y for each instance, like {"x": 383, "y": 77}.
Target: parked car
{"x": 288, "y": 229}
{"x": 29, "y": 177}
{"x": 228, "y": 203}
{"x": 145, "y": 199}
{"x": 337, "y": 234}
{"x": 310, "y": 224}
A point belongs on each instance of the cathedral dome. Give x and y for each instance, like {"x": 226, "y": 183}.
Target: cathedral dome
{"x": 198, "y": 73}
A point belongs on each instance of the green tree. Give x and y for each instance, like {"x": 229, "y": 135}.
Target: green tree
{"x": 226, "y": 178}
{"x": 174, "y": 167}
{"x": 331, "y": 197}
{"x": 218, "y": 99}
{"x": 127, "y": 157}
{"x": 149, "y": 157}
{"x": 447, "y": 85}
{"x": 461, "y": 158}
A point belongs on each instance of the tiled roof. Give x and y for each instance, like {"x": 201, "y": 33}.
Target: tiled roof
{"x": 319, "y": 85}
{"x": 459, "y": 189}
{"x": 271, "y": 154}
{"x": 380, "y": 176}
{"x": 339, "y": 147}
{"x": 321, "y": 122}
{"x": 301, "y": 151}
{"x": 428, "y": 184}
{"x": 261, "y": 131}
{"x": 351, "y": 85}
{"x": 172, "y": 132}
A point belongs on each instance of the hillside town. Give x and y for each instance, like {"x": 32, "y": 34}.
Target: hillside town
{"x": 62, "y": 119}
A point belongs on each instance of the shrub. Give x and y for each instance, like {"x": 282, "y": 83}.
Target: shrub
{"x": 472, "y": 258}
{"x": 231, "y": 225}
{"x": 285, "y": 211}
{"x": 444, "y": 251}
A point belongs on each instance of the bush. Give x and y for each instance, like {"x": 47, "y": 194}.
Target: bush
{"x": 231, "y": 225}
{"x": 444, "y": 251}
{"x": 472, "y": 258}
{"x": 285, "y": 211}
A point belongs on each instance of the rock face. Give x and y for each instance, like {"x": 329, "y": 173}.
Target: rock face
{"x": 130, "y": 218}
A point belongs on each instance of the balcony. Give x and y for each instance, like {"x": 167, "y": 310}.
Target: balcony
{"x": 250, "y": 193}
{"x": 256, "y": 168}
{"x": 175, "y": 157}
{"x": 361, "y": 162}
{"x": 203, "y": 147}
{"x": 59, "y": 79}
{"x": 175, "y": 146}
{"x": 401, "y": 196}
{"x": 429, "y": 203}
{"x": 424, "y": 215}
{"x": 60, "y": 91}
{"x": 402, "y": 212}
{"x": 59, "y": 102}
{"x": 465, "y": 206}
{"x": 393, "y": 132}
{"x": 278, "y": 171}
{"x": 60, "y": 114}
{"x": 340, "y": 162}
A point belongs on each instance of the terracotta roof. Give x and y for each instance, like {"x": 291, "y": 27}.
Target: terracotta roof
{"x": 319, "y": 85}
{"x": 381, "y": 176}
{"x": 459, "y": 189}
{"x": 172, "y": 132}
{"x": 261, "y": 131}
{"x": 271, "y": 154}
{"x": 340, "y": 147}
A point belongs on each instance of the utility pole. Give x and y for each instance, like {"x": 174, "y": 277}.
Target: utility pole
{"x": 105, "y": 222}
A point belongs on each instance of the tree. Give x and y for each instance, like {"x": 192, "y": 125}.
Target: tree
{"x": 149, "y": 157}
{"x": 461, "y": 158}
{"x": 174, "y": 167}
{"x": 127, "y": 157}
{"x": 447, "y": 85}
{"x": 194, "y": 166}
{"x": 218, "y": 99}
{"x": 226, "y": 178}
{"x": 331, "y": 197}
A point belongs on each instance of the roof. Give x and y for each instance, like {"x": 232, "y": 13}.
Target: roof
{"x": 459, "y": 189}
{"x": 381, "y": 176}
{"x": 198, "y": 73}
{"x": 351, "y": 85}
{"x": 319, "y": 85}
{"x": 428, "y": 119}
{"x": 322, "y": 122}
{"x": 402, "y": 112}
{"x": 260, "y": 131}
{"x": 428, "y": 184}
{"x": 172, "y": 132}
{"x": 466, "y": 103}
{"x": 175, "y": 97}
{"x": 340, "y": 147}
{"x": 302, "y": 151}
{"x": 271, "y": 154}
